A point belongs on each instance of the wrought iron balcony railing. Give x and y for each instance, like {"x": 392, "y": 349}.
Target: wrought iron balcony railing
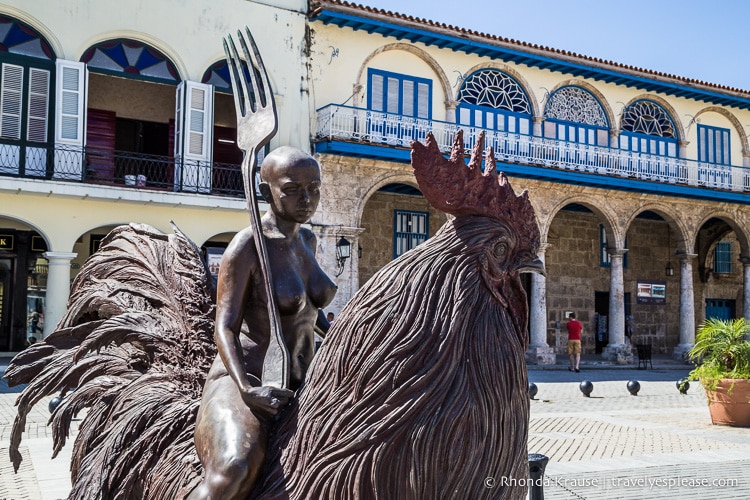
{"x": 120, "y": 168}
{"x": 364, "y": 126}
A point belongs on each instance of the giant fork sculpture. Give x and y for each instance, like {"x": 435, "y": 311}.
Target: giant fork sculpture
{"x": 256, "y": 125}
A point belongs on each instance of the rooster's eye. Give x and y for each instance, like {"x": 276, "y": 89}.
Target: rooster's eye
{"x": 501, "y": 248}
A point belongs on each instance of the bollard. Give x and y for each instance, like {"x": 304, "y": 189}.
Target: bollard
{"x": 537, "y": 463}
{"x": 533, "y": 389}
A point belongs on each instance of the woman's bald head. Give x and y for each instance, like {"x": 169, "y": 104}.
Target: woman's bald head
{"x": 284, "y": 158}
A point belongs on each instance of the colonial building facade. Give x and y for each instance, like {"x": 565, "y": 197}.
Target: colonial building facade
{"x": 640, "y": 180}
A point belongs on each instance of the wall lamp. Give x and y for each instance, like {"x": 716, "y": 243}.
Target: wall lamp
{"x": 343, "y": 252}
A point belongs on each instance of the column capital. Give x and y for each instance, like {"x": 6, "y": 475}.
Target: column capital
{"x": 617, "y": 252}
{"x": 450, "y": 104}
{"x": 60, "y": 256}
{"x": 686, "y": 257}
{"x": 537, "y": 119}
{"x": 745, "y": 261}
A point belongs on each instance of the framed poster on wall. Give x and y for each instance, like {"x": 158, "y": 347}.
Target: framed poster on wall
{"x": 651, "y": 292}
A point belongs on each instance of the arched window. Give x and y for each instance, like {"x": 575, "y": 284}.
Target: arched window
{"x": 491, "y": 99}
{"x": 574, "y": 114}
{"x": 27, "y": 97}
{"x": 19, "y": 38}
{"x": 648, "y": 128}
{"x": 134, "y": 59}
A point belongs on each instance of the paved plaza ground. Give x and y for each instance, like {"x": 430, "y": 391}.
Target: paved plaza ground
{"x": 611, "y": 445}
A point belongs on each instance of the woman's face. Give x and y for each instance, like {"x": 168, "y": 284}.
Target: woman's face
{"x": 295, "y": 190}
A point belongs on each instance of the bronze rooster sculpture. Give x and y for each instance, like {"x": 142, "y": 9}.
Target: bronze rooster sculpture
{"x": 419, "y": 390}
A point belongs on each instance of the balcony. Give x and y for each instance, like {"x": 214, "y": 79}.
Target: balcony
{"x": 559, "y": 160}
{"x": 121, "y": 169}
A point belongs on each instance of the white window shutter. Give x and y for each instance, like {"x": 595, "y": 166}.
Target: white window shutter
{"x": 70, "y": 118}
{"x": 10, "y": 102}
{"x": 11, "y": 94}
{"x": 194, "y": 136}
{"x": 36, "y": 128}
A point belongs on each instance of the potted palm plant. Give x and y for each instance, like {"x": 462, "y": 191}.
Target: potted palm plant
{"x": 722, "y": 354}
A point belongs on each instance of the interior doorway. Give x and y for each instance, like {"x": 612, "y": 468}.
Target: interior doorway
{"x": 601, "y": 313}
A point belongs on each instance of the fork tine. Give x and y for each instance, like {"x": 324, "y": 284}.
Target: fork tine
{"x": 248, "y": 101}
{"x": 253, "y": 61}
{"x": 267, "y": 94}
{"x": 234, "y": 72}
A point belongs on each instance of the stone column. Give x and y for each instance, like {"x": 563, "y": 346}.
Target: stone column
{"x": 616, "y": 349}
{"x": 614, "y": 138}
{"x": 539, "y": 352}
{"x": 450, "y": 111}
{"x": 58, "y": 288}
{"x": 687, "y": 306}
{"x": 536, "y": 126}
{"x": 745, "y": 287}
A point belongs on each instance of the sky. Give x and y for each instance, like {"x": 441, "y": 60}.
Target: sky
{"x": 705, "y": 40}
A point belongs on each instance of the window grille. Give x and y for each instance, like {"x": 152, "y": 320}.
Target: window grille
{"x": 409, "y": 230}
{"x": 723, "y": 257}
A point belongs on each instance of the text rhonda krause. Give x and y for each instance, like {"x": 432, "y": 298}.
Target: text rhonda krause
{"x": 622, "y": 482}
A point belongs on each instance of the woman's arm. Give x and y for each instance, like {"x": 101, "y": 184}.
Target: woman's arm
{"x": 238, "y": 265}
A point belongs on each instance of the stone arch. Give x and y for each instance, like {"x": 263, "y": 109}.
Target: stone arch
{"x": 394, "y": 178}
{"x": 733, "y": 120}
{"x": 678, "y": 126}
{"x": 614, "y": 232}
{"x": 31, "y": 225}
{"x": 427, "y": 58}
{"x": 533, "y": 102}
{"x": 37, "y": 25}
{"x": 591, "y": 89}
{"x": 682, "y": 234}
{"x": 144, "y": 38}
{"x": 740, "y": 230}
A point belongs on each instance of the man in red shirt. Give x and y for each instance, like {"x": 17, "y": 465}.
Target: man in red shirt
{"x": 574, "y": 342}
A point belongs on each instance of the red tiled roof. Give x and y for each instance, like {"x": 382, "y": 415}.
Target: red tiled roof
{"x": 403, "y": 19}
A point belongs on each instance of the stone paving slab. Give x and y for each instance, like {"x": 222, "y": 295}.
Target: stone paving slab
{"x": 659, "y": 444}
{"x": 611, "y": 445}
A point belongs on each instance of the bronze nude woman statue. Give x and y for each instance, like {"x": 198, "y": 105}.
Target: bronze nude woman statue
{"x": 231, "y": 437}
{"x": 419, "y": 391}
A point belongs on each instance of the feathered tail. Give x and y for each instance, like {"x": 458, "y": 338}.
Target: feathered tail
{"x": 133, "y": 349}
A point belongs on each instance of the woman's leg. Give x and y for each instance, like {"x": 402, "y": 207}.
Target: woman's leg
{"x": 230, "y": 439}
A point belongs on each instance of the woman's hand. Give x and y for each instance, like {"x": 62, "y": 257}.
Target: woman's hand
{"x": 266, "y": 400}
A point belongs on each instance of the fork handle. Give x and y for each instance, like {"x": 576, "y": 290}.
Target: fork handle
{"x": 276, "y": 361}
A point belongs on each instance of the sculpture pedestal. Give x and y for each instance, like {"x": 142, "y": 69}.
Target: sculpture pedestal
{"x": 541, "y": 355}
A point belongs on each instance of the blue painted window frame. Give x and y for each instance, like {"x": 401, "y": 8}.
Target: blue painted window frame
{"x": 501, "y": 120}
{"x": 402, "y": 83}
{"x": 605, "y": 259}
{"x": 581, "y": 133}
{"x": 648, "y": 144}
{"x": 723, "y": 257}
{"x": 410, "y": 228}
{"x": 714, "y": 145}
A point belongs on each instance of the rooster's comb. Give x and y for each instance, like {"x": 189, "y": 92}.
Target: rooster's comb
{"x": 459, "y": 189}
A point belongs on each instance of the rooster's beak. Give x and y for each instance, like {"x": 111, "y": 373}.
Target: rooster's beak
{"x": 532, "y": 266}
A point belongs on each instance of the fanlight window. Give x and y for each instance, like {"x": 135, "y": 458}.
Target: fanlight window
{"x": 492, "y": 100}
{"x": 648, "y": 118}
{"x": 574, "y": 104}
{"x": 19, "y": 38}
{"x": 131, "y": 58}
{"x": 496, "y": 90}
{"x": 574, "y": 114}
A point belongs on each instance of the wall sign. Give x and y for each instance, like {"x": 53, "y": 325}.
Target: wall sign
{"x": 651, "y": 292}
{"x": 6, "y": 242}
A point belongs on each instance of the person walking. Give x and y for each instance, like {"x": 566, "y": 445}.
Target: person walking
{"x": 575, "y": 328}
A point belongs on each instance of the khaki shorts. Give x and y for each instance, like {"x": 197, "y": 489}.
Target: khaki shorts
{"x": 574, "y": 347}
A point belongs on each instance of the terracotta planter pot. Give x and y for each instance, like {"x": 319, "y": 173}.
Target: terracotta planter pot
{"x": 730, "y": 406}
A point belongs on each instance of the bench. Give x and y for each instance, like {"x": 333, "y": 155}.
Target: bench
{"x": 644, "y": 356}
